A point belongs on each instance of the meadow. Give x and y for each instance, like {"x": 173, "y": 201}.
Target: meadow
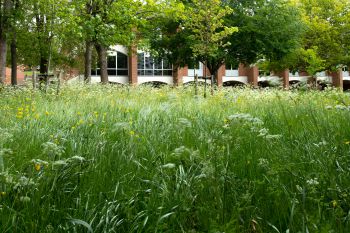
{"x": 123, "y": 159}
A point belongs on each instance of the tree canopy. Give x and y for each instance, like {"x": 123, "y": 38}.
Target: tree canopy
{"x": 298, "y": 34}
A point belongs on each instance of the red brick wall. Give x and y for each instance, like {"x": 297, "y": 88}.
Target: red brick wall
{"x": 178, "y": 74}
{"x": 337, "y": 79}
{"x": 220, "y": 74}
{"x": 285, "y": 77}
{"x": 20, "y": 76}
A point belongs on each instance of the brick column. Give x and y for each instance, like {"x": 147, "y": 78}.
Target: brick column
{"x": 221, "y": 72}
{"x": 133, "y": 66}
{"x": 337, "y": 79}
{"x": 178, "y": 74}
{"x": 253, "y": 74}
{"x": 285, "y": 77}
{"x": 242, "y": 70}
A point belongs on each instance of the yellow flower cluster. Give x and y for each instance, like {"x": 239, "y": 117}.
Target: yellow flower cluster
{"x": 25, "y": 111}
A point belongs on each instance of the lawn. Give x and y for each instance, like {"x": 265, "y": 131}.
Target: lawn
{"x": 122, "y": 159}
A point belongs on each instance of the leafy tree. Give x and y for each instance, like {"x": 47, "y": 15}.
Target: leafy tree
{"x": 208, "y": 31}
{"x": 104, "y": 23}
{"x": 327, "y": 24}
{"x": 40, "y": 33}
{"x": 269, "y": 30}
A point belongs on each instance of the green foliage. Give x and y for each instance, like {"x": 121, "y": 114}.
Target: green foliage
{"x": 205, "y": 20}
{"x": 208, "y": 31}
{"x": 269, "y": 30}
{"x": 327, "y": 24}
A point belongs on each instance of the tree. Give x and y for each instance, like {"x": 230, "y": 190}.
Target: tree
{"x": 205, "y": 21}
{"x": 40, "y": 31}
{"x": 104, "y": 23}
{"x": 327, "y": 27}
{"x": 268, "y": 30}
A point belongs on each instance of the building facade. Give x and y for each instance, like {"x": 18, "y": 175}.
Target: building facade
{"x": 139, "y": 67}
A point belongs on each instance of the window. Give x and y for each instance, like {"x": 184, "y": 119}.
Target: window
{"x": 116, "y": 65}
{"x": 195, "y": 69}
{"x": 148, "y": 66}
{"x": 231, "y": 70}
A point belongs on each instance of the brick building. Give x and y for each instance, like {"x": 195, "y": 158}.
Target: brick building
{"x": 138, "y": 67}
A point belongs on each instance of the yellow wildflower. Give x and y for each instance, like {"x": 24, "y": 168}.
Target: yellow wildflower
{"x": 47, "y": 113}
{"x": 132, "y": 132}
{"x": 347, "y": 142}
{"x": 19, "y": 115}
{"x": 37, "y": 166}
{"x": 334, "y": 203}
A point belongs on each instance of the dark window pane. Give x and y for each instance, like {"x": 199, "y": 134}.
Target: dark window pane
{"x": 148, "y": 63}
{"x": 141, "y": 72}
{"x": 231, "y": 66}
{"x": 122, "y": 61}
{"x": 123, "y": 72}
{"x": 149, "y": 72}
{"x": 158, "y": 64}
{"x": 112, "y": 72}
{"x": 98, "y": 72}
{"x": 166, "y": 64}
{"x": 140, "y": 61}
{"x": 93, "y": 72}
{"x": 111, "y": 62}
{"x": 158, "y": 72}
{"x": 167, "y": 72}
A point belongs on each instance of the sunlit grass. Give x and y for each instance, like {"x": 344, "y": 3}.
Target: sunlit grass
{"x": 112, "y": 159}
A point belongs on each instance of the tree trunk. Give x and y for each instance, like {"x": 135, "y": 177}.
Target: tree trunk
{"x": 3, "y": 53}
{"x": 4, "y": 26}
{"x": 88, "y": 55}
{"x": 34, "y": 77}
{"x": 205, "y": 79}
{"x": 102, "y": 59}
{"x": 43, "y": 71}
{"x": 14, "y": 60}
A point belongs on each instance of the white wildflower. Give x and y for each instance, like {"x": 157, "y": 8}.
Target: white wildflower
{"x": 52, "y": 150}
{"x": 4, "y": 152}
{"x": 180, "y": 150}
{"x": 59, "y": 163}
{"x": 341, "y": 107}
{"x": 264, "y": 163}
{"x": 273, "y": 136}
{"x": 247, "y": 118}
{"x": 322, "y": 143}
{"x": 39, "y": 161}
{"x": 312, "y": 182}
{"x": 5, "y": 136}
{"x": 263, "y": 132}
{"x": 24, "y": 199}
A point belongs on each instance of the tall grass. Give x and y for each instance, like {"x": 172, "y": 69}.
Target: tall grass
{"x": 112, "y": 159}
